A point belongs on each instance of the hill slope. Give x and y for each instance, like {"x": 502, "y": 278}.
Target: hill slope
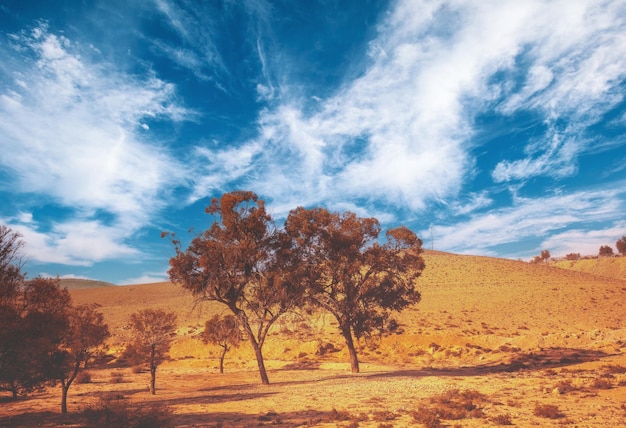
{"x": 612, "y": 267}
{"x": 473, "y": 300}
{"x": 79, "y": 283}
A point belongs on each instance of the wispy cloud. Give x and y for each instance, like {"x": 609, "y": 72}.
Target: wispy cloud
{"x": 401, "y": 134}
{"x": 71, "y": 130}
{"x": 535, "y": 219}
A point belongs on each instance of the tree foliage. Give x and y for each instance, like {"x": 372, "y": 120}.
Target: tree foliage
{"x": 153, "y": 330}
{"x": 621, "y": 245}
{"x": 223, "y": 332}
{"x": 349, "y": 274}
{"x": 85, "y": 332}
{"x": 32, "y": 326}
{"x": 605, "y": 251}
{"x": 239, "y": 262}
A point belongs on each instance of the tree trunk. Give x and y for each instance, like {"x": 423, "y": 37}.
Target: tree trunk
{"x": 153, "y": 380}
{"x": 64, "y": 389}
{"x": 354, "y": 359}
{"x": 259, "y": 359}
{"x": 153, "y": 368}
{"x": 224, "y": 349}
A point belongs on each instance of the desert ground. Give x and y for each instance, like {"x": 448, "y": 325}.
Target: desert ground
{"x": 493, "y": 342}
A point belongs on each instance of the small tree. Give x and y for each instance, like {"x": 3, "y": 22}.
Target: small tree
{"x": 86, "y": 331}
{"x": 621, "y": 245}
{"x": 242, "y": 262}
{"x": 349, "y": 274}
{"x": 223, "y": 332}
{"x": 153, "y": 331}
{"x": 605, "y": 251}
{"x": 545, "y": 256}
{"x": 572, "y": 256}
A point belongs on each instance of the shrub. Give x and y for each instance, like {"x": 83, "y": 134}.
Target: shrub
{"x": 117, "y": 413}
{"x": 452, "y": 405}
{"x": 602, "y": 383}
{"x": 548, "y": 411}
{"x": 117, "y": 377}
{"x": 83, "y": 377}
{"x": 502, "y": 420}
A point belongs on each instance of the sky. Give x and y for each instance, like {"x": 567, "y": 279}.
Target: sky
{"x": 488, "y": 127}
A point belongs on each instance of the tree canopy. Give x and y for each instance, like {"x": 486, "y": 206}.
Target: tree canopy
{"x": 239, "y": 262}
{"x": 347, "y": 272}
{"x": 153, "y": 330}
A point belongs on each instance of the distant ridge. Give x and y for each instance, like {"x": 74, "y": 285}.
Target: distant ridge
{"x": 79, "y": 283}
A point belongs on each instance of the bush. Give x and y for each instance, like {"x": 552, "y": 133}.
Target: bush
{"x": 502, "y": 420}
{"x": 117, "y": 413}
{"x": 83, "y": 377}
{"x": 117, "y": 377}
{"x": 452, "y": 405}
{"x": 548, "y": 411}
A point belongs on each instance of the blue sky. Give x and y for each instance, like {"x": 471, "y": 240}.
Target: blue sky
{"x": 498, "y": 124}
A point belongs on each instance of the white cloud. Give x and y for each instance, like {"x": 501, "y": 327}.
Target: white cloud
{"x": 69, "y": 131}
{"x": 77, "y": 243}
{"x": 531, "y": 218}
{"x": 400, "y": 135}
{"x": 583, "y": 241}
{"x": 146, "y": 278}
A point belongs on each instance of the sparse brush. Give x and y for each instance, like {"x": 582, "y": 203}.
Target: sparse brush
{"x": 117, "y": 377}
{"x": 109, "y": 413}
{"x": 384, "y": 415}
{"x": 502, "y": 420}
{"x": 614, "y": 369}
{"x": 549, "y": 411}
{"x": 602, "y": 383}
{"x": 83, "y": 377}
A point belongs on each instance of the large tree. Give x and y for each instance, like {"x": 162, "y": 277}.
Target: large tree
{"x": 85, "y": 332}
{"x": 33, "y": 318}
{"x": 240, "y": 262}
{"x": 32, "y": 326}
{"x": 153, "y": 330}
{"x": 348, "y": 273}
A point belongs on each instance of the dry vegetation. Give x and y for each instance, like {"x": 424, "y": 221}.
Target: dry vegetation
{"x": 493, "y": 342}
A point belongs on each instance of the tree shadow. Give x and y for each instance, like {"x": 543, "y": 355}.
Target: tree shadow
{"x": 536, "y": 360}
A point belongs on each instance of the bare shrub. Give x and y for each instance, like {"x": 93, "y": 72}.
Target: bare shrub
{"x": 384, "y": 415}
{"x": 117, "y": 377}
{"x": 118, "y": 413}
{"x": 451, "y": 405}
{"x": 83, "y": 377}
{"x": 602, "y": 383}
{"x": 502, "y": 420}
{"x": 549, "y": 411}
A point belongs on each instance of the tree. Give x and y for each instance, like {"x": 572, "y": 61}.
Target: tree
{"x": 32, "y": 328}
{"x": 545, "y": 256}
{"x": 605, "y": 251}
{"x": 572, "y": 256}
{"x": 240, "y": 261}
{"x": 153, "y": 330}
{"x": 86, "y": 331}
{"x": 223, "y": 332}
{"x": 621, "y": 245}
{"x": 349, "y": 274}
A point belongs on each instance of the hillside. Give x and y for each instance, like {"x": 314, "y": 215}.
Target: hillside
{"x": 536, "y": 345}
{"x": 465, "y": 299}
{"x": 612, "y": 267}
{"x": 79, "y": 283}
